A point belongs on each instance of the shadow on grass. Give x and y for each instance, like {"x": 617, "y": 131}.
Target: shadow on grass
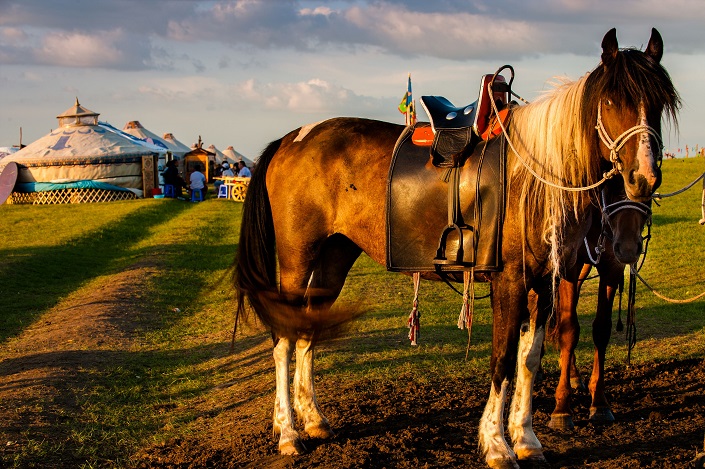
{"x": 106, "y": 401}
{"x": 33, "y": 280}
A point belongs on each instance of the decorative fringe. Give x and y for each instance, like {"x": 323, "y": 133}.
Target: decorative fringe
{"x": 466, "y": 312}
{"x": 413, "y": 322}
{"x": 465, "y": 317}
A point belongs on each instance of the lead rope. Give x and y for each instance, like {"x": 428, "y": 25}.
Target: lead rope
{"x": 631, "y": 314}
{"x": 413, "y": 322}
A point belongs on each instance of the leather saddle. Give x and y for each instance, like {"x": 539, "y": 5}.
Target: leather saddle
{"x": 457, "y": 130}
{"x": 445, "y": 219}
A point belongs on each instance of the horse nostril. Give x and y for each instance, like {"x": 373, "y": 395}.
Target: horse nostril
{"x": 632, "y": 179}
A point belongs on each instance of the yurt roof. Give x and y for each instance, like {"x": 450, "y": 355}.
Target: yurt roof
{"x": 82, "y": 142}
{"x": 219, "y": 156}
{"x": 77, "y": 115}
{"x": 233, "y": 156}
{"x": 138, "y": 130}
{"x": 169, "y": 137}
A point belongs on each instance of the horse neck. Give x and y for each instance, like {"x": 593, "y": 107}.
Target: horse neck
{"x": 550, "y": 137}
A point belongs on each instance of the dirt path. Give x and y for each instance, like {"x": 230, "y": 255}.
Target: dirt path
{"x": 660, "y": 408}
{"x": 44, "y": 369}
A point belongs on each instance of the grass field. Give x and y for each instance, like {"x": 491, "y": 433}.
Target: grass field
{"x": 51, "y": 255}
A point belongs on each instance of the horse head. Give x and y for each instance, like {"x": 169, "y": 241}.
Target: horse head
{"x": 623, "y": 221}
{"x": 629, "y": 92}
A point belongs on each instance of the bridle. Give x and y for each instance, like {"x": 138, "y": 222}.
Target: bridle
{"x": 608, "y": 211}
{"x": 615, "y": 145}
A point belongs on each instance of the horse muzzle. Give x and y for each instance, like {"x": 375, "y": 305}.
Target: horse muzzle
{"x": 628, "y": 252}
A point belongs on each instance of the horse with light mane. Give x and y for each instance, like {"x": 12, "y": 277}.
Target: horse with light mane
{"x": 297, "y": 244}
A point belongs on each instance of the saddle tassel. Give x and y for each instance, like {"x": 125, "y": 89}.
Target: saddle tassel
{"x": 466, "y": 312}
{"x": 413, "y": 321}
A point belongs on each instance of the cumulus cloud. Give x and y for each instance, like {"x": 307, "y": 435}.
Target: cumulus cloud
{"x": 312, "y": 96}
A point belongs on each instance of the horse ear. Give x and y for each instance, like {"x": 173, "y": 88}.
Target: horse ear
{"x": 609, "y": 46}
{"x": 655, "y": 47}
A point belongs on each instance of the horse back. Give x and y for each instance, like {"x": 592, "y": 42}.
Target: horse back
{"x": 331, "y": 178}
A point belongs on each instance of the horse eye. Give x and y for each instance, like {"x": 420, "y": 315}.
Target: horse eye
{"x": 608, "y": 102}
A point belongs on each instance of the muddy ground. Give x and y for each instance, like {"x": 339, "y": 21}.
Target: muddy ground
{"x": 660, "y": 408}
{"x": 660, "y": 411}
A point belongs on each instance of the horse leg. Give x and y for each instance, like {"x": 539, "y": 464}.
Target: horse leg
{"x": 509, "y": 305}
{"x": 568, "y": 334}
{"x": 283, "y": 421}
{"x": 576, "y": 380}
{"x": 336, "y": 258}
{"x": 611, "y": 274}
{"x": 315, "y": 424}
{"x": 531, "y": 336}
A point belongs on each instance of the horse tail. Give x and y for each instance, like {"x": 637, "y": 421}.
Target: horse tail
{"x": 255, "y": 273}
{"x": 255, "y": 262}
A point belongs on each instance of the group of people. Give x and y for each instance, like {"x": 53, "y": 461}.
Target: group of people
{"x": 197, "y": 180}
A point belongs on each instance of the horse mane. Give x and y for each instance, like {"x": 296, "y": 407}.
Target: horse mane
{"x": 556, "y": 136}
{"x": 550, "y": 138}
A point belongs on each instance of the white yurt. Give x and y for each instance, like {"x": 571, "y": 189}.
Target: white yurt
{"x": 234, "y": 156}
{"x": 177, "y": 148}
{"x": 173, "y": 151}
{"x": 84, "y": 160}
{"x": 219, "y": 156}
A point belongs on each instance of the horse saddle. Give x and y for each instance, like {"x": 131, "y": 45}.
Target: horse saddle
{"x": 457, "y": 130}
{"x": 419, "y": 236}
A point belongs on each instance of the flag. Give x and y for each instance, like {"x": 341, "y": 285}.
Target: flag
{"x": 406, "y": 106}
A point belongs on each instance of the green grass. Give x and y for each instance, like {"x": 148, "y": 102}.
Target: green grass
{"x": 145, "y": 395}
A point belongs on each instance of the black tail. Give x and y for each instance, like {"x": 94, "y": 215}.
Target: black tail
{"x": 255, "y": 264}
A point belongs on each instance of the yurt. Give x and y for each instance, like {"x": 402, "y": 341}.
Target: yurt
{"x": 176, "y": 147}
{"x": 84, "y": 160}
{"x": 173, "y": 151}
{"x": 235, "y": 156}
{"x": 219, "y": 156}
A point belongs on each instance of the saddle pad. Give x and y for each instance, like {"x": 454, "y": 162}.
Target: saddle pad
{"x": 417, "y": 205}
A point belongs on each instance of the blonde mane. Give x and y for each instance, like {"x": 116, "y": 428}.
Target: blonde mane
{"x": 549, "y": 135}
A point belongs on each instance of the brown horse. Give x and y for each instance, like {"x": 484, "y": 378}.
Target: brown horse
{"x": 618, "y": 218}
{"x": 317, "y": 197}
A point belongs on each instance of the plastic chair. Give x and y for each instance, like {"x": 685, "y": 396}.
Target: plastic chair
{"x": 169, "y": 191}
{"x": 197, "y": 195}
{"x": 223, "y": 191}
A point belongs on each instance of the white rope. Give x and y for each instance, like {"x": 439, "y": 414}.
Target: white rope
{"x": 615, "y": 145}
{"x": 605, "y": 176}
{"x": 670, "y": 300}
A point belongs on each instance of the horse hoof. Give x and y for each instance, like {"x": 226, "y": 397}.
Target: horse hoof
{"x": 601, "y": 415}
{"x": 319, "y": 430}
{"x": 502, "y": 464}
{"x": 700, "y": 461}
{"x": 577, "y": 384}
{"x": 561, "y": 422}
{"x": 530, "y": 458}
{"x": 291, "y": 447}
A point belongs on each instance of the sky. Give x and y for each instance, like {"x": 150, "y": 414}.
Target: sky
{"x": 246, "y": 72}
